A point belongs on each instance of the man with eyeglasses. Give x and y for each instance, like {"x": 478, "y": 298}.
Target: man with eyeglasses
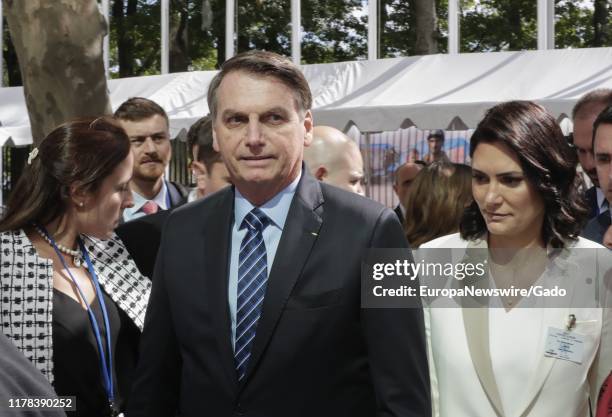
{"x": 146, "y": 124}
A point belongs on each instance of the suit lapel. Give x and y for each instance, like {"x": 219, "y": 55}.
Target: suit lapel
{"x": 476, "y": 322}
{"x": 299, "y": 235}
{"x": 552, "y": 317}
{"x": 216, "y": 259}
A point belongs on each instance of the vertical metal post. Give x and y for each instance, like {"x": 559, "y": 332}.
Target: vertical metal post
{"x": 368, "y": 165}
{"x": 372, "y": 29}
{"x": 106, "y": 41}
{"x": 1, "y": 58}
{"x": 165, "y": 36}
{"x": 230, "y": 12}
{"x": 546, "y": 24}
{"x": 296, "y": 31}
{"x": 453, "y": 26}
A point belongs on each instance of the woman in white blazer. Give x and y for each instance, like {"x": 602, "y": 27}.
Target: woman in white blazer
{"x": 508, "y": 359}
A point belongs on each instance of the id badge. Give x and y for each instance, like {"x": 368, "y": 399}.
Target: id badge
{"x": 565, "y": 345}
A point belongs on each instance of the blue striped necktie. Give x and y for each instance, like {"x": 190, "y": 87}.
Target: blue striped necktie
{"x": 252, "y": 279}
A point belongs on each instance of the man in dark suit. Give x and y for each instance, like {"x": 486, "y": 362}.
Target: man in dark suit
{"x": 146, "y": 123}
{"x": 598, "y": 229}
{"x": 256, "y": 308}
{"x": 141, "y": 237}
{"x": 583, "y": 115}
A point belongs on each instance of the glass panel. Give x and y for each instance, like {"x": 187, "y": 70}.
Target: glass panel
{"x": 582, "y": 24}
{"x": 398, "y": 21}
{"x": 498, "y": 25}
{"x": 135, "y": 33}
{"x": 264, "y": 25}
{"x": 197, "y": 34}
{"x": 334, "y": 30}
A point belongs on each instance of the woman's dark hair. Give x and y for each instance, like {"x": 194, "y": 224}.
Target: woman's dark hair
{"x": 436, "y": 201}
{"x": 548, "y": 162}
{"x": 84, "y": 151}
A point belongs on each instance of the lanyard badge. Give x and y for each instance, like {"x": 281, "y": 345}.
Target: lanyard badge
{"x": 106, "y": 360}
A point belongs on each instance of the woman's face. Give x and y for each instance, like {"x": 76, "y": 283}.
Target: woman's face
{"x": 509, "y": 203}
{"x": 102, "y": 211}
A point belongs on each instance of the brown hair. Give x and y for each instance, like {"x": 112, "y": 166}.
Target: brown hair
{"x": 592, "y": 101}
{"x": 84, "y": 151}
{"x": 138, "y": 108}
{"x": 200, "y": 134}
{"x": 264, "y": 64}
{"x": 548, "y": 161}
{"x": 436, "y": 201}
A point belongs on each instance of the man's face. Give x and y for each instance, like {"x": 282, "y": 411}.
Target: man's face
{"x": 583, "y": 140}
{"x": 435, "y": 145}
{"x": 150, "y": 145}
{"x": 603, "y": 155}
{"x": 348, "y": 172}
{"x": 405, "y": 177}
{"x": 260, "y": 134}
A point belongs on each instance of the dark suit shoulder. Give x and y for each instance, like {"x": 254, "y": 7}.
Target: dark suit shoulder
{"x": 203, "y": 210}
{"x": 596, "y": 228}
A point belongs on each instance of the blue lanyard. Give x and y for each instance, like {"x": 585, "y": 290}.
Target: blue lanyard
{"x": 106, "y": 368}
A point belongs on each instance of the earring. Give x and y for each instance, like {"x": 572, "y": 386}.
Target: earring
{"x": 81, "y": 204}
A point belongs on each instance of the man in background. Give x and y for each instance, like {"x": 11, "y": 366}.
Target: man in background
{"x": 583, "y": 115}
{"x": 435, "y": 141}
{"x": 334, "y": 158}
{"x": 598, "y": 229}
{"x": 206, "y": 165}
{"x": 403, "y": 177}
{"x": 147, "y": 126}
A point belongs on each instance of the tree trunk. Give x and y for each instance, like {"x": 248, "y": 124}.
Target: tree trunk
{"x": 123, "y": 21}
{"x": 600, "y": 23}
{"x": 426, "y": 27}
{"x": 59, "y": 46}
{"x": 513, "y": 14}
{"x": 179, "y": 45}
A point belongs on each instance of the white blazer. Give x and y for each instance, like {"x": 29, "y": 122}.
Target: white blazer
{"x": 462, "y": 374}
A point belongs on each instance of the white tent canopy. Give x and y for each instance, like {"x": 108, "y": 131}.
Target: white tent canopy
{"x": 433, "y": 91}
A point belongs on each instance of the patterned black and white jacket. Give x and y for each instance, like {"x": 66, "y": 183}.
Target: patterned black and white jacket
{"x": 26, "y": 292}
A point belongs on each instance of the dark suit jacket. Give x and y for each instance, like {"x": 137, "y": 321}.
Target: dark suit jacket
{"x": 316, "y": 352}
{"x": 141, "y": 237}
{"x": 596, "y": 228}
{"x": 590, "y": 196}
{"x": 399, "y": 214}
{"x": 178, "y": 193}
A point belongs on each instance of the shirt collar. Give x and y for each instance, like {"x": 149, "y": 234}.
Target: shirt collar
{"x": 277, "y": 208}
{"x": 602, "y": 203}
{"x": 161, "y": 199}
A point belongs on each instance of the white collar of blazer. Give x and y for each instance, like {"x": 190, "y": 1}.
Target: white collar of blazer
{"x": 476, "y": 323}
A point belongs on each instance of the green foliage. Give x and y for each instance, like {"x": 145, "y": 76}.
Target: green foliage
{"x": 498, "y": 25}
{"x": 335, "y": 30}
{"x": 574, "y": 25}
{"x": 398, "y": 28}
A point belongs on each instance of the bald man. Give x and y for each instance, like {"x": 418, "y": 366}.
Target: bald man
{"x": 334, "y": 158}
{"x": 402, "y": 181}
